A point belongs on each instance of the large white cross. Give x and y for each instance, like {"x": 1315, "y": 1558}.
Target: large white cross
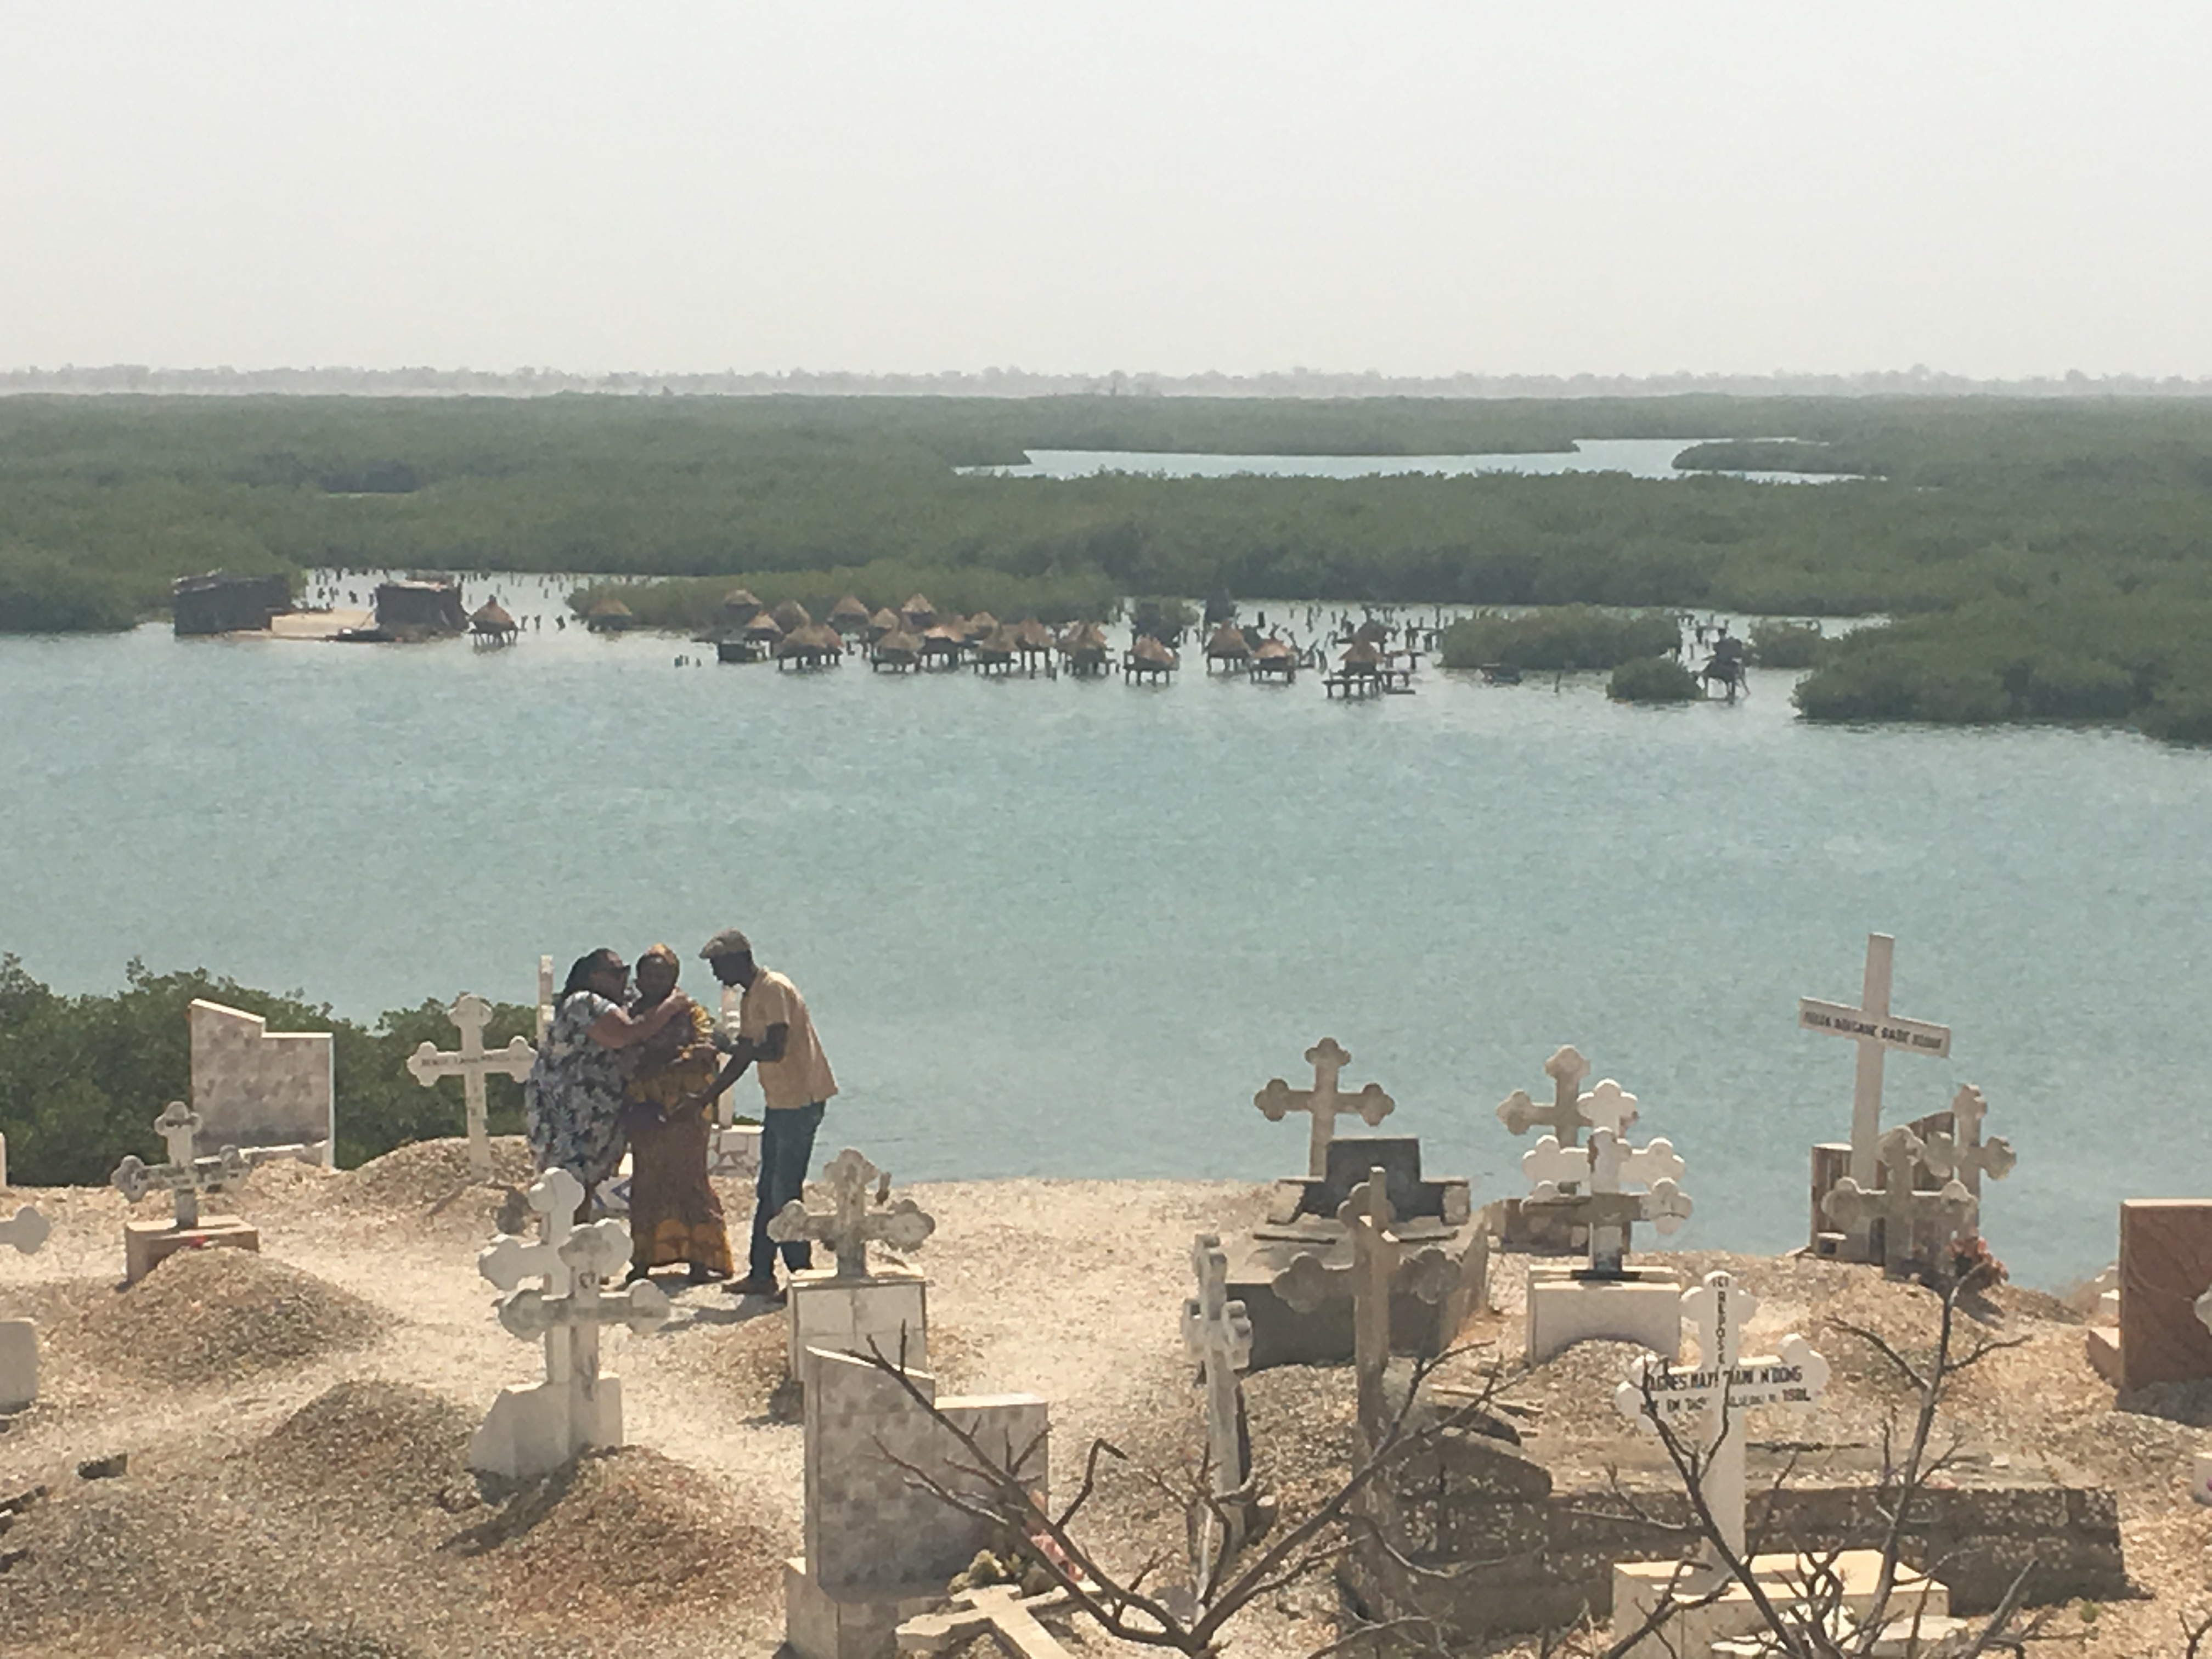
{"x": 1376, "y": 1253}
{"x": 1897, "y": 1206}
{"x": 471, "y": 1013}
{"x": 27, "y": 1229}
{"x": 1962, "y": 1152}
{"x": 1877, "y": 1030}
{"x": 185, "y": 1175}
{"x": 507, "y": 1261}
{"x": 849, "y": 1224}
{"x": 1323, "y": 1102}
{"x": 1720, "y": 1388}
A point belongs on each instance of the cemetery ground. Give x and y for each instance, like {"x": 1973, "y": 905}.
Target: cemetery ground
{"x": 293, "y": 1425}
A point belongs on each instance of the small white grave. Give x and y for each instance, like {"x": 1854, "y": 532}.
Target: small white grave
{"x": 261, "y": 1091}
{"x": 535, "y": 1430}
{"x": 1615, "y": 1186}
{"x": 1705, "y": 1406}
{"x": 473, "y": 1062}
{"x": 1876, "y": 1031}
{"x": 1324, "y": 1102}
{"x": 849, "y": 1307}
{"x": 184, "y": 1177}
{"x": 26, "y": 1231}
{"x": 879, "y": 1548}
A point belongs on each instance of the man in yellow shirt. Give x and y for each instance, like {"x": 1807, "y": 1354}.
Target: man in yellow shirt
{"x": 776, "y": 1034}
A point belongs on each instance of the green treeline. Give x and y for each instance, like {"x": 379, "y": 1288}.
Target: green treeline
{"x": 1569, "y": 637}
{"x": 83, "y": 1077}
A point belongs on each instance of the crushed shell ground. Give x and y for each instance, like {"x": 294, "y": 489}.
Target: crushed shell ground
{"x": 295, "y": 1424}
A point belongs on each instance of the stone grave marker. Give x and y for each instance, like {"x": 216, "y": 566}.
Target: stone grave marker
{"x": 1898, "y": 1208}
{"x": 879, "y": 1547}
{"x": 1380, "y": 1263}
{"x": 2166, "y": 1265}
{"x": 1324, "y": 1102}
{"x": 1606, "y": 1299}
{"x": 185, "y": 1175}
{"x": 1001, "y": 1609}
{"x": 848, "y": 1307}
{"x": 1961, "y": 1151}
{"x": 472, "y": 1062}
{"x": 1705, "y": 1406}
{"x": 535, "y": 1430}
{"x": 1608, "y": 1106}
{"x": 26, "y": 1231}
{"x": 1216, "y": 1334}
{"x": 258, "y": 1089}
{"x": 1876, "y": 1031}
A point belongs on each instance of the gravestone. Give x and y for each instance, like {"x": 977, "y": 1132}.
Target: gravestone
{"x": 1605, "y": 1300}
{"x": 1216, "y": 1335}
{"x": 2166, "y": 1267}
{"x": 472, "y": 1062}
{"x": 26, "y": 1231}
{"x": 1001, "y": 1609}
{"x": 1324, "y": 1102}
{"x": 1876, "y": 1031}
{"x": 1572, "y": 1110}
{"x": 535, "y": 1430}
{"x": 1900, "y": 1224}
{"x": 879, "y": 1550}
{"x": 1704, "y": 1406}
{"x": 184, "y": 1177}
{"x": 258, "y": 1089}
{"x": 1432, "y": 1214}
{"x": 850, "y": 1306}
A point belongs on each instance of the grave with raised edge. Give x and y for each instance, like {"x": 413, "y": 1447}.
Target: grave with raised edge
{"x": 851, "y": 1307}
{"x": 879, "y": 1550}
{"x": 1304, "y": 1217}
{"x": 1603, "y": 1191}
{"x": 268, "y": 1093}
{"x": 27, "y": 1229}
{"x": 184, "y": 1177}
{"x": 534, "y": 1429}
{"x": 2165, "y": 1329}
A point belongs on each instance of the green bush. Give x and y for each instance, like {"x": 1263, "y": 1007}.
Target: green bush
{"x": 1778, "y": 642}
{"x": 1653, "y": 679}
{"x": 1570, "y": 636}
{"x": 83, "y": 1078}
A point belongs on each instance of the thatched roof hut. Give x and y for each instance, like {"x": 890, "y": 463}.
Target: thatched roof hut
{"x": 885, "y": 620}
{"x": 1362, "y": 657}
{"x": 609, "y": 616}
{"x": 918, "y": 614}
{"x": 1145, "y": 651}
{"x": 995, "y": 650}
{"x": 944, "y": 643}
{"x": 492, "y": 622}
{"x": 790, "y": 615}
{"x": 980, "y": 626}
{"x": 762, "y": 629}
{"x": 1031, "y": 635}
{"x": 811, "y": 645}
{"x": 740, "y": 607}
{"x": 849, "y": 616}
{"x": 894, "y": 648}
{"x": 1273, "y": 651}
{"x": 1228, "y": 645}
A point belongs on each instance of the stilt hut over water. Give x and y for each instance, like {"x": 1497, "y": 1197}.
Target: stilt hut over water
{"x": 1359, "y": 673}
{"x": 1084, "y": 649}
{"x": 1275, "y": 660}
{"x": 740, "y": 607}
{"x": 609, "y": 616}
{"x": 942, "y": 646}
{"x": 1033, "y": 640}
{"x": 885, "y": 620}
{"x": 994, "y": 653}
{"x": 1229, "y": 648}
{"x": 897, "y": 650}
{"x": 849, "y": 616}
{"x": 492, "y": 625}
{"x": 815, "y": 645}
{"x": 979, "y": 627}
{"x": 919, "y": 615}
{"x": 1149, "y": 660}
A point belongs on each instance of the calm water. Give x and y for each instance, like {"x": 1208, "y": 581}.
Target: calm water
{"x": 1642, "y": 457}
{"x": 1067, "y": 928}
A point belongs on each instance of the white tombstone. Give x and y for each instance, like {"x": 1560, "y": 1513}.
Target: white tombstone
{"x": 1704, "y": 1406}
{"x": 1606, "y": 1300}
{"x": 260, "y": 1089}
{"x": 1323, "y": 1103}
{"x": 26, "y": 1231}
{"x": 1216, "y": 1334}
{"x": 473, "y": 1062}
{"x": 852, "y": 1307}
{"x": 535, "y": 1430}
{"x": 1876, "y": 1031}
{"x": 879, "y": 1548}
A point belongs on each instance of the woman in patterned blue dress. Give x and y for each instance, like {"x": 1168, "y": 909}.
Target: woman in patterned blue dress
{"x": 573, "y": 1102}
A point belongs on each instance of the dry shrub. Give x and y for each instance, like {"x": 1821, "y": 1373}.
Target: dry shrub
{"x": 220, "y": 1315}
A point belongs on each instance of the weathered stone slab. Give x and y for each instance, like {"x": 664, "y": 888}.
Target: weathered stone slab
{"x": 253, "y": 1087}
{"x": 148, "y": 1244}
{"x": 2166, "y": 1264}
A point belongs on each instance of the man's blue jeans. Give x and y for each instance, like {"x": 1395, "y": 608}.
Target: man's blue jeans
{"x": 786, "y": 1149}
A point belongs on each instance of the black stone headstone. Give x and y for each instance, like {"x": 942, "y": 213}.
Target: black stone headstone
{"x": 1399, "y": 1157}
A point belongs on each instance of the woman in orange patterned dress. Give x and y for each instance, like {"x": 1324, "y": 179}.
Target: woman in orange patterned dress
{"x": 674, "y": 1215}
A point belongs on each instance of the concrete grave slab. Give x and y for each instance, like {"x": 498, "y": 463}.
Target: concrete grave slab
{"x": 2166, "y": 1265}
{"x": 255, "y": 1088}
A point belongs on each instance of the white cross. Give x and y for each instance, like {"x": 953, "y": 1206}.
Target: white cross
{"x": 507, "y": 1261}
{"x": 1963, "y": 1152}
{"x": 1875, "y": 1029}
{"x": 1897, "y": 1205}
{"x": 545, "y": 998}
{"x": 1323, "y": 1102}
{"x": 1519, "y": 1114}
{"x": 471, "y": 1013}
{"x": 1377, "y": 1253}
{"x": 1720, "y": 1388}
{"x": 27, "y": 1229}
{"x": 849, "y": 1225}
{"x": 1216, "y": 1333}
{"x": 1607, "y": 1209}
{"x": 1002, "y": 1609}
{"x": 184, "y": 1177}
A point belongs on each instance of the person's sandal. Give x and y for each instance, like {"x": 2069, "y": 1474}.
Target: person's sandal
{"x": 750, "y": 1287}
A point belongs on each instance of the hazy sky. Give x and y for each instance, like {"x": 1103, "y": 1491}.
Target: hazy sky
{"x": 2002, "y": 189}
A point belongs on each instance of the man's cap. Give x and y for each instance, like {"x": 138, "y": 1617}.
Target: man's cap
{"x": 727, "y": 943}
